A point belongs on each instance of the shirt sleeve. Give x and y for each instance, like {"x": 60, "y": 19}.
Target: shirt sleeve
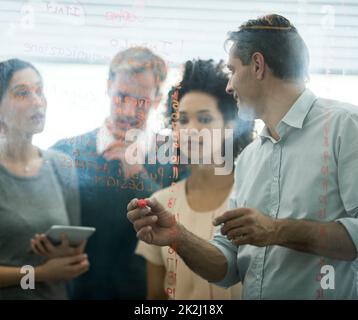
{"x": 347, "y": 150}
{"x": 67, "y": 178}
{"x": 229, "y": 250}
{"x": 232, "y": 276}
{"x": 72, "y": 198}
{"x": 150, "y": 252}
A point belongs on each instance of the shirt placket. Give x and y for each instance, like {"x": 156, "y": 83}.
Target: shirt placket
{"x": 273, "y": 207}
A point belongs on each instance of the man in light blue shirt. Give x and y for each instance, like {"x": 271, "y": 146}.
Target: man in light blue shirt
{"x": 294, "y": 179}
{"x": 292, "y": 231}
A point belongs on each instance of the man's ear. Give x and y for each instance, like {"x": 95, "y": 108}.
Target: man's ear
{"x": 258, "y": 65}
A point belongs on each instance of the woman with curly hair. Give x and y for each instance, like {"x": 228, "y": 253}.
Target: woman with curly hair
{"x": 203, "y": 104}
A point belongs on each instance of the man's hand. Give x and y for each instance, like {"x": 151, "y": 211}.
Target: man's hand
{"x": 117, "y": 151}
{"x": 154, "y": 224}
{"x": 248, "y": 226}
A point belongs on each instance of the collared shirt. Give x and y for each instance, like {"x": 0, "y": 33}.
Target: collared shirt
{"x": 310, "y": 173}
{"x": 104, "y": 139}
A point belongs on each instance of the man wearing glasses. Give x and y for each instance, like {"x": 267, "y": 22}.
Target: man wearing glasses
{"x": 107, "y": 182}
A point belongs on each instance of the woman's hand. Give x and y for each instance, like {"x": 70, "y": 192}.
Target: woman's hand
{"x": 42, "y": 246}
{"x": 65, "y": 268}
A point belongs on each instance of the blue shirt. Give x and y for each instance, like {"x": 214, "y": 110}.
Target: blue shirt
{"x": 310, "y": 173}
{"x": 115, "y": 271}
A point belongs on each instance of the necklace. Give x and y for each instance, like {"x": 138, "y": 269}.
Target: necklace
{"x": 26, "y": 168}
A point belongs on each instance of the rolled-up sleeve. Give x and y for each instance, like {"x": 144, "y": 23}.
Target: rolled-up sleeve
{"x": 230, "y": 252}
{"x": 347, "y": 149}
{"x": 351, "y": 225}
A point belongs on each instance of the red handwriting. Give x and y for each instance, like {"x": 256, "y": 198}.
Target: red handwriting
{"x": 121, "y": 15}
{"x": 323, "y": 198}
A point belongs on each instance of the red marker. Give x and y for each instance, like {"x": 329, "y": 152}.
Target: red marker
{"x": 142, "y": 203}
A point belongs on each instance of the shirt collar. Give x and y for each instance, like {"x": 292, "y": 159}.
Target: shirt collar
{"x": 296, "y": 114}
{"x": 104, "y": 139}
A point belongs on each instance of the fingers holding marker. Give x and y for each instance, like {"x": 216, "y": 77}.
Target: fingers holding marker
{"x": 138, "y": 203}
{"x": 146, "y": 221}
{"x": 142, "y": 203}
{"x": 145, "y": 234}
{"x": 136, "y": 214}
{"x": 132, "y": 204}
{"x": 154, "y": 205}
{"x": 143, "y": 206}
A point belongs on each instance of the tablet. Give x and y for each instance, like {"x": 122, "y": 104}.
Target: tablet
{"x": 74, "y": 234}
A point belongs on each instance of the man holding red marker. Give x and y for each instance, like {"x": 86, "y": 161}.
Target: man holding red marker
{"x": 142, "y": 203}
{"x": 292, "y": 231}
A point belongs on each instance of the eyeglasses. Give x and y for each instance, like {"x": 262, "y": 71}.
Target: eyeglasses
{"x": 142, "y": 103}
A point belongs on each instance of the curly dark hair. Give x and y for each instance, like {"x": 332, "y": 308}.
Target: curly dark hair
{"x": 210, "y": 78}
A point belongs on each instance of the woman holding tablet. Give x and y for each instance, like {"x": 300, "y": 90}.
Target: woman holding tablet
{"x": 36, "y": 192}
